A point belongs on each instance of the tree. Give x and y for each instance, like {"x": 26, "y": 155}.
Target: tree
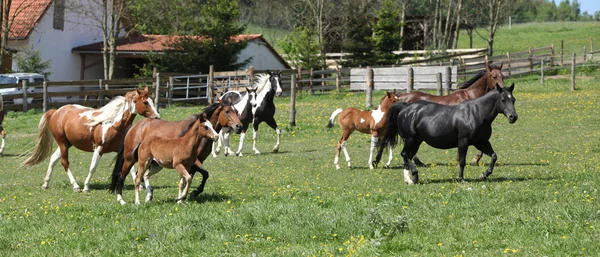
{"x": 30, "y": 61}
{"x": 8, "y": 14}
{"x": 107, "y": 16}
{"x": 564, "y": 11}
{"x": 497, "y": 12}
{"x": 302, "y": 48}
{"x": 386, "y": 32}
{"x": 357, "y": 35}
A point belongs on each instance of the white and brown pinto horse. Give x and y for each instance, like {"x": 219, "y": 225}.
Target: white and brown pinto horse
{"x": 179, "y": 153}
{"x": 92, "y": 130}
{"x": 368, "y": 122}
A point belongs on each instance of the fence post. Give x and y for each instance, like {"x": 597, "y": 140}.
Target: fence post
{"x": 584, "y": 54}
{"x": 542, "y": 71}
{"x": 573, "y": 73}
{"x": 337, "y": 79}
{"x": 591, "y": 48}
{"x": 369, "y": 89}
{"x": 552, "y": 55}
{"x": 531, "y": 59}
{"x": 170, "y": 93}
{"x": 211, "y": 81}
{"x": 299, "y": 78}
{"x": 509, "y": 66}
{"x": 45, "y": 96}
{"x": 448, "y": 79}
{"x": 293, "y": 101}
{"x": 310, "y": 82}
{"x": 411, "y": 80}
{"x": 562, "y": 44}
{"x": 322, "y": 78}
{"x": 439, "y": 83}
{"x": 157, "y": 91}
{"x": 24, "y": 87}
{"x": 100, "y": 92}
{"x": 251, "y": 74}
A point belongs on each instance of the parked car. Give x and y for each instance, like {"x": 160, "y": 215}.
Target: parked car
{"x": 17, "y": 78}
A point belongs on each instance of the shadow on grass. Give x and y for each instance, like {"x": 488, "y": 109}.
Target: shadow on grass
{"x": 490, "y": 179}
{"x": 212, "y": 197}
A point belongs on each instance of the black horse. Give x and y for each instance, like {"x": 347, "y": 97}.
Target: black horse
{"x": 445, "y": 127}
{"x": 266, "y": 87}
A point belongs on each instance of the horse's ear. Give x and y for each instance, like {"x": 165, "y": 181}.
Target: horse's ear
{"x": 511, "y": 88}
{"x": 270, "y": 73}
{"x": 146, "y": 88}
{"x": 502, "y": 63}
{"x": 488, "y": 66}
{"x": 137, "y": 90}
{"x": 498, "y": 88}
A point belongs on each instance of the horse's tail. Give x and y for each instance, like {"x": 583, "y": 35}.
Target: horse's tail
{"x": 391, "y": 133}
{"x": 119, "y": 159}
{"x": 43, "y": 147}
{"x": 335, "y": 113}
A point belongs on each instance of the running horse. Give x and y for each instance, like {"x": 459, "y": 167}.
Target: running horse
{"x": 368, "y": 122}
{"x": 162, "y": 150}
{"x": 448, "y": 126}
{"x": 2, "y": 131}
{"x": 91, "y": 130}
{"x": 483, "y": 82}
{"x": 221, "y": 114}
{"x": 266, "y": 87}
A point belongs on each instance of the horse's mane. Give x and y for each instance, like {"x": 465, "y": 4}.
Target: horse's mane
{"x": 260, "y": 82}
{"x": 191, "y": 120}
{"x": 470, "y": 82}
{"x": 210, "y": 110}
{"x": 108, "y": 112}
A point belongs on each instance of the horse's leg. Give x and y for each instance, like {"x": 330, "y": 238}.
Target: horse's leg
{"x": 64, "y": 154}
{"x": 95, "y": 159}
{"x": 127, "y": 168}
{"x": 197, "y": 167}
{"x": 418, "y": 162}
{"x": 154, "y": 168}
{"x": 273, "y": 124}
{"x": 390, "y": 158}
{"x": 143, "y": 166}
{"x": 374, "y": 143}
{"x": 227, "y": 148}
{"x": 410, "y": 149}
{"x": 3, "y": 137}
{"x": 463, "y": 146}
{"x": 475, "y": 161}
{"x": 241, "y": 145}
{"x": 185, "y": 182}
{"x": 487, "y": 149}
{"x": 342, "y": 146}
{"x": 255, "y": 124}
{"x": 53, "y": 160}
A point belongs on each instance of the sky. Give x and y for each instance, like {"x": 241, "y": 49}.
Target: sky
{"x": 591, "y": 6}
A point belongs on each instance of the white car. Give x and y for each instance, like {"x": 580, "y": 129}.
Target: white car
{"x": 17, "y": 78}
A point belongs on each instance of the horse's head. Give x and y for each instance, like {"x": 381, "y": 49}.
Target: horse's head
{"x": 228, "y": 116}
{"x": 205, "y": 129}
{"x": 494, "y": 76}
{"x": 252, "y": 96}
{"x": 389, "y": 98}
{"x": 275, "y": 80}
{"x": 506, "y": 103}
{"x": 143, "y": 104}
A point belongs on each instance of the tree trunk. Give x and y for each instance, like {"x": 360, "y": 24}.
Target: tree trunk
{"x": 457, "y": 30}
{"x": 435, "y": 23}
{"x": 446, "y": 37}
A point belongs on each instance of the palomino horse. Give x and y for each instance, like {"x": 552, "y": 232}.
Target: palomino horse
{"x": 243, "y": 104}
{"x": 368, "y": 122}
{"x": 267, "y": 86}
{"x": 448, "y": 126}
{"x": 91, "y": 130}
{"x": 2, "y": 132}
{"x": 221, "y": 114}
{"x": 178, "y": 153}
{"x": 483, "y": 82}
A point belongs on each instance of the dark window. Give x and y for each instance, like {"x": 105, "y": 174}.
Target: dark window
{"x": 59, "y": 14}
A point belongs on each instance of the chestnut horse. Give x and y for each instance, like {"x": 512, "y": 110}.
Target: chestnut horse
{"x": 222, "y": 114}
{"x": 484, "y": 81}
{"x": 178, "y": 153}
{"x": 2, "y": 132}
{"x": 91, "y": 130}
{"x": 368, "y": 122}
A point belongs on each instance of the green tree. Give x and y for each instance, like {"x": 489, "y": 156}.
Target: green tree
{"x": 357, "y": 37}
{"x": 565, "y": 11}
{"x": 386, "y": 32}
{"x": 30, "y": 61}
{"x": 302, "y": 48}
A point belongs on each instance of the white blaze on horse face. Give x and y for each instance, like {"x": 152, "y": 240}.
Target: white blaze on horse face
{"x": 377, "y": 114}
{"x": 278, "y": 83}
{"x": 210, "y": 127}
{"x": 153, "y": 107}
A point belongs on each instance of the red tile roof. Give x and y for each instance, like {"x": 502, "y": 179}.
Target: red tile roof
{"x": 147, "y": 43}
{"x": 26, "y": 15}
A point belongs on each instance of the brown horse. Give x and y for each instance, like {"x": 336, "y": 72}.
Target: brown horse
{"x": 222, "y": 114}
{"x": 2, "y": 132}
{"x": 368, "y": 122}
{"x": 91, "y": 130}
{"x": 483, "y": 82}
{"x": 179, "y": 153}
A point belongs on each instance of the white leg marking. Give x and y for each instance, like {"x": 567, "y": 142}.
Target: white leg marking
{"x": 276, "y": 148}
{"x": 407, "y": 178}
{"x": 254, "y": 138}
{"x": 93, "y": 166}
{"x": 346, "y": 154}
{"x": 2, "y": 146}
{"x": 120, "y": 199}
{"x": 389, "y": 162}
{"x": 72, "y": 180}
{"x": 53, "y": 160}
{"x": 241, "y": 145}
{"x": 374, "y": 141}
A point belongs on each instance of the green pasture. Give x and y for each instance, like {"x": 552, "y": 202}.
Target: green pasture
{"x": 541, "y": 200}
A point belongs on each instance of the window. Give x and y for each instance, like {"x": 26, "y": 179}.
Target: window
{"x": 59, "y": 14}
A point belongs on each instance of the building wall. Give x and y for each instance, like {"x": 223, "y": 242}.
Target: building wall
{"x": 262, "y": 57}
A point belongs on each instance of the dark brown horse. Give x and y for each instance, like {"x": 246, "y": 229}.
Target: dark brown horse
{"x": 179, "y": 153}
{"x": 221, "y": 114}
{"x": 368, "y": 122}
{"x": 483, "y": 82}
{"x": 92, "y": 130}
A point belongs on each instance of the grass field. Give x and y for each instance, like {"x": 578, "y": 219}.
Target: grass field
{"x": 540, "y": 201}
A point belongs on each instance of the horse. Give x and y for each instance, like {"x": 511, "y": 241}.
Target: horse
{"x": 221, "y": 114}
{"x": 2, "y": 131}
{"x": 267, "y": 86}
{"x": 484, "y": 81}
{"x": 244, "y": 101}
{"x": 448, "y": 126}
{"x": 92, "y": 130}
{"x": 368, "y": 122}
{"x": 179, "y": 153}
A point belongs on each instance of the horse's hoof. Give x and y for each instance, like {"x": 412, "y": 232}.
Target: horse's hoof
{"x": 239, "y": 154}
{"x": 482, "y": 177}
{"x": 386, "y": 166}
{"x": 44, "y": 187}
{"x": 148, "y": 198}
{"x": 371, "y": 167}
{"x": 276, "y": 150}
{"x": 77, "y": 190}
{"x": 122, "y": 202}
{"x": 86, "y": 190}
{"x": 256, "y": 152}
{"x": 337, "y": 167}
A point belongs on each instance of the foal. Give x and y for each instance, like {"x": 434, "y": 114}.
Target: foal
{"x": 178, "y": 153}
{"x": 368, "y": 122}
